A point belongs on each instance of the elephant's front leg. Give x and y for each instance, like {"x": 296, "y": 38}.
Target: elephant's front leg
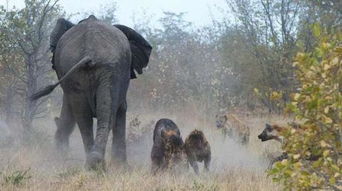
{"x": 65, "y": 126}
{"x": 119, "y": 136}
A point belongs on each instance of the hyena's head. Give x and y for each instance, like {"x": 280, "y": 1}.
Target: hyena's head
{"x": 270, "y": 132}
{"x": 221, "y": 121}
{"x": 172, "y": 138}
{"x": 197, "y": 139}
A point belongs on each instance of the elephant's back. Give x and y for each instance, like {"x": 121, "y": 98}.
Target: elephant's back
{"x": 105, "y": 44}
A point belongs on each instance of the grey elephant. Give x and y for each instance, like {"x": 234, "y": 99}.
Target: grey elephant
{"x": 94, "y": 63}
{"x": 140, "y": 48}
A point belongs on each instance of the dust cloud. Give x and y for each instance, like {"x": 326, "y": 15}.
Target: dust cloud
{"x": 39, "y": 154}
{"x": 226, "y": 153}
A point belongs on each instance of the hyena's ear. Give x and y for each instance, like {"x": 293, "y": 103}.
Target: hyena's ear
{"x": 178, "y": 132}
{"x": 268, "y": 125}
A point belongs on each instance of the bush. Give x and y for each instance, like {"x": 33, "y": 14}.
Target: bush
{"x": 315, "y": 147}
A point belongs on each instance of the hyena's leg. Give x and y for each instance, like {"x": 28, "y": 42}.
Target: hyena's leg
{"x": 229, "y": 132}
{"x": 225, "y": 133}
{"x": 157, "y": 159}
{"x": 277, "y": 159}
{"x": 242, "y": 138}
{"x": 194, "y": 165}
{"x": 245, "y": 139}
{"x": 207, "y": 163}
{"x": 155, "y": 166}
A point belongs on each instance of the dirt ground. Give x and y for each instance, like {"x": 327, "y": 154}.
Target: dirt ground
{"x": 34, "y": 164}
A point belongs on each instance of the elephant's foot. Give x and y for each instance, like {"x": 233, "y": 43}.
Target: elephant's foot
{"x": 62, "y": 149}
{"x": 95, "y": 161}
{"x": 119, "y": 155}
{"x": 61, "y": 139}
{"x": 118, "y": 163}
{"x": 119, "y": 160}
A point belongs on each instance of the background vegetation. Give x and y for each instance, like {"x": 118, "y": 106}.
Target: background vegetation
{"x": 315, "y": 147}
{"x": 242, "y": 61}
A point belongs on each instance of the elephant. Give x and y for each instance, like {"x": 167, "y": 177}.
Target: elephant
{"x": 94, "y": 62}
{"x": 139, "y": 46}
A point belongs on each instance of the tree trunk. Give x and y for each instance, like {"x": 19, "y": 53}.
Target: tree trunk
{"x": 29, "y": 110}
{"x": 9, "y": 102}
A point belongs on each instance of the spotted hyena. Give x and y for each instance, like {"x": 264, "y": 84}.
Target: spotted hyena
{"x": 233, "y": 127}
{"x": 197, "y": 149}
{"x": 273, "y": 132}
{"x": 167, "y": 150}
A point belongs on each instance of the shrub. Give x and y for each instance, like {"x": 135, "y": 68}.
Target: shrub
{"x": 315, "y": 147}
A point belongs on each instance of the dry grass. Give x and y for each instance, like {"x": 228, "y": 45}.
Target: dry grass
{"x": 138, "y": 179}
{"x": 141, "y": 179}
{"x": 234, "y": 167}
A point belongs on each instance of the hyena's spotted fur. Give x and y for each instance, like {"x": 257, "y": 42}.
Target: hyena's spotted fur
{"x": 273, "y": 132}
{"x": 233, "y": 127}
{"x": 197, "y": 149}
{"x": 174, "y": 153}
{"x": 167, "y": 151}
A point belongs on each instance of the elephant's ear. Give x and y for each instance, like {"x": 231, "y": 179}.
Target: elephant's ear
{"x": 61, "y": 27}
{"x": 140, "y": 48}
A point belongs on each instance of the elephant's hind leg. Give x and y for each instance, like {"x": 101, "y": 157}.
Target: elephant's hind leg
{"x": 106, "y": 107}
{"x": 83, "y": 116}
{"x": 65, "y": 126}
{"x": 119, "y": 136}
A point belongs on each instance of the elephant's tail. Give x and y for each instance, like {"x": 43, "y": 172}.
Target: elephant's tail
{"x": 47, "y": 90}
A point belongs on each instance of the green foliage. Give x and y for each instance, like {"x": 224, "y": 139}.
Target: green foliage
{"x": 266, "y": 36}
{"x": 24, "y": 57}
{"x": 259, "y": 50}
{"x": 17, "y": 177}
{"x": 315, "y": 147}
